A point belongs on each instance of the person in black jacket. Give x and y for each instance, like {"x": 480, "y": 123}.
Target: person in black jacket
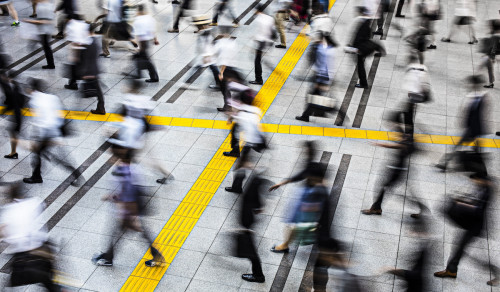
{"x": 91, "y": 70}
{"x": 484, "y": 192}
{"x": 364, "y": 45}
{"x": 14, "y": 101}
{"x": 473, "y": 122}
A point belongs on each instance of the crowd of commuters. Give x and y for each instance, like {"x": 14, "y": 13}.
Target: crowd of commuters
{"x": 311, "y": 213}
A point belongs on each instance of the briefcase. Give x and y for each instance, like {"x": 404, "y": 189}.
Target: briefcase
{"x": 321, "y": 101}
{"x": 465, "y": 215}
{"x": 90, "y": 88}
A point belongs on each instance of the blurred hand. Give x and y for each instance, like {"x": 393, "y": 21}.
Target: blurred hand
{"x": 156, "y": 42}
{"x": 275, "y": 187}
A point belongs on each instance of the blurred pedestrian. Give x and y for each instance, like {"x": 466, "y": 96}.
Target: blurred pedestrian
{"x": 183, "y": 6}
{"x": 14, "y": 101}
{"x": 115, "y": 28}
{"x": 48, "y": 125}
{"x": 265, "y": 31}
{"x": 470, "y": 214}
{"x": 27, "y": 239}
{"x": 473, "y": 119}
{"x": 90, "y": 71}
{"x": 145, "y": 34}
{"x": 221, "y": 6}
{"x": 11, "y": 11}
{"x": 45, "y": 23}
{"x": 430, "y": 12}
{"x": 281, "y": 15}
{"x": 69, "y": 11}
{"x": 308, "y": 210}
{"x": 465, "y": 14}
{"x": 491, "y": 48}
{"x": 363, "y": 45}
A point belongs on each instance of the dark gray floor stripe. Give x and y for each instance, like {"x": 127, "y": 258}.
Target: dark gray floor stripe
{"x": 339, "y": 121}
{"x": 172, "y": 81}
{"x": 252, "y": 18}
{"x": 239, "y": 18}
{"x": 288, "y": 258}
{"x": 360, "y": 112}
{"x": 32, "y": 63}
{"x": 29, "y": 56}
{"x": 190, "y": 80}
{"x": 338, "y": 184}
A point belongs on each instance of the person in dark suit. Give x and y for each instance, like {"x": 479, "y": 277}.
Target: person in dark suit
{"x": 14, "y": 101}
{"x": 484, "y": 192}
{"x": 364, "y": 45}
{"x": 68, "y": 9}
{"x": 473, "y": 122}
{"x": 185, "y": 5}
{"x": 91, "y": 70}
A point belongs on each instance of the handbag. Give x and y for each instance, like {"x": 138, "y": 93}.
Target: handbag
{"x": 321, "y": 101}
{"x": 90, "y": 88}
{"x": 464, "y": 214}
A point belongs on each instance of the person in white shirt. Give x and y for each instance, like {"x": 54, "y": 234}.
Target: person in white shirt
{"x": 45, "y": 25}
{"x": 264, "y": 31}
{"x": 23, "y": 231}
{"x": 145, "y": 33}
{"x": 281, "y": 14}
{"x": 465, "y": 14}
{"x": 48, "y": 125}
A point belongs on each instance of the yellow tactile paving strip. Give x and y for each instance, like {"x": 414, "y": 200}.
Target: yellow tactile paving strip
{"x": 180, "y": 224}
{"x": 281, "y": 129}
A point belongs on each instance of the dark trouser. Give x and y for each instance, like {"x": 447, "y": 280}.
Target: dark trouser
{"x": 228, "y": 75}
{"x": 239, "y": 176}
{"x": 258, "y": 60}
{"x": 220, "y": 9}
{"x": 144, "y": 62}
{"x": 256, "y": 266}
{"x": 466, "y": 138}
{"x": 100, "y": 97}
{"x": 29, "y": 269}
{"x": 400, "y": 7}
{"x": 42, "y": 150}
{"x": 47, "y": 49}
{"x": 380, "y": 21}
{"x": 178, "y": 18}
{"x": 457, "y": 254}
{"x": 320, "y": 275}
{"x": 394, "y": 177}
{"x": 235, "y": 139}
{"x": 123, "y": 226}
{"x": 362, "y": 71}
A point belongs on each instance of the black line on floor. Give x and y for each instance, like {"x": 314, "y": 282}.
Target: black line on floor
{"x": 252, "y": 18}
{"x": 190, "y": 80}
{"x": 288, "y": 258}
{"x": 172, "y": 81}
{"x": 32, "y": 63}
{"x": 360, "y": 112}
{"x": 339, "y": 121}
{"x": 29, "y": 56}
{"x": 239, "y": 18}
{"x": 338, "y": 184}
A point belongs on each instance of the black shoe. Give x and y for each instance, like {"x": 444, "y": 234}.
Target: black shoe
{"x": 58, "y": 36}
{"x": 232, "y": 154}
{"x": 32, "y": 180}
{"x": 378, "y": 32}
{"x": 280, "y": 46}
{"x": 98, "y": 112}
{"x": 302, "y": 118}
{"x": 488, "y": 86}
{"x": 161, "y": 180}
{"x": 104, "y": 55}
{"x": 474, "y": 41}
{"x": 446, "y": 40}
{"x": 173, "y": 30}
{"x": 48, "y": 67}
{"x": 371, "y": 211}
{"x": 432, "y": 47}
{"x": 257, "y": 82}
{"x": 71, "y": 86}
{"x": 99, "y": 260}
{"x": 497, "y": 133}
{"x": 231, "y": 190}
{"x": 442, "y": 167}
{"x": 152, "y": 80}
{"x": 11, "y": 156}
{"x": 224, "y": 109}
{"x": 273, "y": 249}
{"x": 214, "y": 87}
{"x": 415, "y": 216}
{"x": 154, "y": 2}
{"x": 176, "y": 2}
{"x": 400, "y": 15}
{"x": 34, "y": 15}
{"x": 252, "y": 278}
{"x": 361, "y": 86}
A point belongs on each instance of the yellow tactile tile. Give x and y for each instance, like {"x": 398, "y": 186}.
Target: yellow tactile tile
{"x": 297, "y": 130}
{"x": 163, "y": 121}
{"x": 180, "y": 224}
{"x": 283, "y": 129}
{"x": 334, "y": 132}
{"x": 77, "y": 115}
{"x": 440, "y": 139}
{"x": 355, "y": 133}
{"x": 315, "y": 131}
{"x": 377, "y": 135}
{"x": 114, "y": 118}
{"x": 199, "y": 123}
{"x": 98, "y": 118}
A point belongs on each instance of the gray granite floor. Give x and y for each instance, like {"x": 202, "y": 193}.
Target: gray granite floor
{"x": 203, "y": 263}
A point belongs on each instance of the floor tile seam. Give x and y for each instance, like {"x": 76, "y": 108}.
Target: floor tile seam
{"x": 224, "y": 144}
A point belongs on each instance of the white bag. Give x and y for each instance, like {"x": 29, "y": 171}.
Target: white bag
{"x": 322, "y": 101}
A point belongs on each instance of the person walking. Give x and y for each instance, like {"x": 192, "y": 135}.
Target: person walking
{"x": 69, "y": 11}
{"x": 48, "y": 125}
{"x": 183, "y": 6}
{"x": 145, "y": 34}
{"x": 90, "y": 72}
{"x": 490, "y": 49}
{"x": 14, "y": 101}
{"x": 11, "y": 11}
{"x": 45, "y": 25}
{"x": 280, "y": 17}
{"x": 465, "y": 14}
{"x": 114, "y": 27}
{"x": 363, "y": 45}
{"x": 221, "y": 6}
{"x": 263, "y": 37}
{"x": 473, "y": 216}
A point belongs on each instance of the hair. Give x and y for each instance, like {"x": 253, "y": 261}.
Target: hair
{"x": 362, "y": 10}
{"x": 140, "y": 8}
{"x": 135, "y": 85}
{"x": 36, "y": 84}
{"x": 260, "y": 8}
{"x": 317, "y": 169}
